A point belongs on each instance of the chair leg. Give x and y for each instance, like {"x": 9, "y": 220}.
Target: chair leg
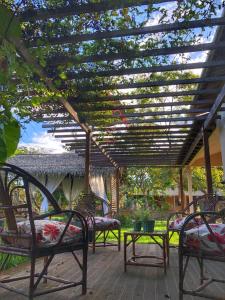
{"x": 104, "y": 237}
{"x": 45, "y": 261}
{"x": 201, "y": 265}
{"x": 181, "y": 276}
{"x": 119, "y": 239}
{"x": 32, "y": 274}
{"x": 93, "y": 241}
{"x": 84, "y": 271}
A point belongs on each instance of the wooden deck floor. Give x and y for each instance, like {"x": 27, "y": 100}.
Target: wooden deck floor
{"x": 107, "y": 280}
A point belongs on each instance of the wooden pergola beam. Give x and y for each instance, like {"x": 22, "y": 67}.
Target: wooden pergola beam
{"x": 65, "y": 59}
{"x": 155, "y": 113}
{"x": 147, "y": 84}
{"x": 163, "y": 120}
{"x": 89, "y": 99}
{"x": 146, "y": 105}
{"x": 127, "y": 137}
{"x": 76, "y": 9}
{"x": 142, "y": 70}
{"x": 99, "y": 35}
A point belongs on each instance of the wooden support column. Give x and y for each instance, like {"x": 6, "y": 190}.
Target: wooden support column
{"x": 190, "y": 190}
{"x": 181, "y": 189}
{"x": 117, "y": 189}
{"x": 87, "y": 161}
{"x": 208, "y": 172}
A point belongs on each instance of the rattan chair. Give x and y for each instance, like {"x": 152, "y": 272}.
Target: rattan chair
{"x": 201, "y": 243}
{"x": 100, "y": 221}
{"x": 207, "y": 202}
{"x": 27, "y": 233}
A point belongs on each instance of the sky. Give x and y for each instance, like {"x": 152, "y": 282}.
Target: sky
{"x": 33, "y": 135}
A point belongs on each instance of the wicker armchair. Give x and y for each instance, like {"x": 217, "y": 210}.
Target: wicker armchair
{"x": 175, "y": 220}
{"x": 25, "y": 233}
{"x": 100, "y": 221}
{"x": 204, "y": 242}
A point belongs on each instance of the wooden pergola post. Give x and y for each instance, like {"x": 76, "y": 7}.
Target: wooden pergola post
{"x": 87, "y": 161}
{"x": 181, "y": 188}
{"x": 117, "y": 189}
{"x": 190, "y": 189}
{"x": 208, "y": 172}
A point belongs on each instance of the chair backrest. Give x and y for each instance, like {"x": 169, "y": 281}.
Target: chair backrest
{"x": 16, "y": 199}
{"x": 206, "y": 202}
{"x": 89, "y": 202}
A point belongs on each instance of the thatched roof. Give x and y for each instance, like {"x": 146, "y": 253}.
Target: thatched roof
{"x": 66, "y": 163}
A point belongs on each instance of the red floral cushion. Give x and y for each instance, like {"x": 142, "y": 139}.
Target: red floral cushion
{"x": 48, "y": 233}
{"x": 179, "y": 222}
{"x": 201, "y": 240}
{"x": 105, "y": 223}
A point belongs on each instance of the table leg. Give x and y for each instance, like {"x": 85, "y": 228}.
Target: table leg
{"x": 168, "y": 251}
{"x": 164, "y": 253}
{"x": 125, "y": 252}
{"x": 133, "y": 246}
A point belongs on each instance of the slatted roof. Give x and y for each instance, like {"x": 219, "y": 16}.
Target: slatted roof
{"x": 136, "y": 96}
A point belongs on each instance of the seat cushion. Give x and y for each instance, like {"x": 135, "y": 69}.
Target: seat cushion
{"x": 104, "y": 223}
{"x": 199, "y": 239}
{"x": 179, "y": 222}
{"x": 48, "y": 234}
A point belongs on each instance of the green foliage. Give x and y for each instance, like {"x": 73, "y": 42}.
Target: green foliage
{"x": 199, "y": 179}
{"x": 126, "y": 220}
{"x": 9, "y": 133}
{"x": 149, "y": 181}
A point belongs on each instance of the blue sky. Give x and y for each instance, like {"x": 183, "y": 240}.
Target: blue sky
{"x": 33, "y": 135}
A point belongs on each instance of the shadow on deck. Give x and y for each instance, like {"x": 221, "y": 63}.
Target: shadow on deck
{"x": 107, "y": 280}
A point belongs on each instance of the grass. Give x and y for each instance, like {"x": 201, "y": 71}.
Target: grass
{"x": 159, "y": 225}
{"x": 13, "y": 260}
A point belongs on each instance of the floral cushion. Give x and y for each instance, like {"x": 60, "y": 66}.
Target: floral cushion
{"x": 105, "y": 223}
{"x": 48, "y": 233}
{"x": 179, "y": 222}
{"x": 201, "y": 240}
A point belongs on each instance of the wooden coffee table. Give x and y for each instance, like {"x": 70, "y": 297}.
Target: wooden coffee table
{"x": 159, "y": 238}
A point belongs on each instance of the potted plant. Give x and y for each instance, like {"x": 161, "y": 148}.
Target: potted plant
{"x": 137, "y": 220}
{"x": 148, "y": 221}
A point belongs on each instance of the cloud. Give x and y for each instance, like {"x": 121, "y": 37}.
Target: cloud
{"x": 45, "y": 143}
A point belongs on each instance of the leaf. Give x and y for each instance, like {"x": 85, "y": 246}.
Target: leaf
{"x": 9, "y": 24}
{"x": 12, "y": 136}
{"x": 3, "y": 149}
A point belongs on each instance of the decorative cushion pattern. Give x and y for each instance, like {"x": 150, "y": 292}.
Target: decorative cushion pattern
{"x": 104, "y": 223}
{"x": 179, "y": 222}
{"x": 48, "y": 233}
{"x": 201, "y": 240}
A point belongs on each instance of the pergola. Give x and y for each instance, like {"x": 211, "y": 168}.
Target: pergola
{"x": 165, "y": 127}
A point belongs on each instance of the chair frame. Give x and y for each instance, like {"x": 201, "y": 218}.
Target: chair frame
{"x": 34, "y": 252}
{"x": 185, "y": 255}
{"x": 186, "y": 212}
{"x": 95, "y": 232}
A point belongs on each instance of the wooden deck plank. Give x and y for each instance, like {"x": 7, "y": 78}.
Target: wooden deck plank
{"x": 107, "y": 280}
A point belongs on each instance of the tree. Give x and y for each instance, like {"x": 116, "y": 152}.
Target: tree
{"x": 199, "y": 179}
{"x": 149, "y": 184}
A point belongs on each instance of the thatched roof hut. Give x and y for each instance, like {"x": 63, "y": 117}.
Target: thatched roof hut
{"x": 66, "y": 170}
